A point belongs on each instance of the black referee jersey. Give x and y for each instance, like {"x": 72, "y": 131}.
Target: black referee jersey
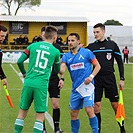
{"x": 54, "y": 75}
{"x": 105, "y": 52}
{"x": 2, "y": 75}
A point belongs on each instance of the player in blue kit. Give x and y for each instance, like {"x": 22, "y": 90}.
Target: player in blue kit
{"x": 79, "y": 62}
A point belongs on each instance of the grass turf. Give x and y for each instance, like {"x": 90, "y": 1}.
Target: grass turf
{"x": 109, "y": 124}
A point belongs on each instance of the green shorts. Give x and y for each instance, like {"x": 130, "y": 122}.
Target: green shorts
{"x": 40, "y": 97}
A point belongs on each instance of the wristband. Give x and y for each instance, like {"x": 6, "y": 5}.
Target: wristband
{"x": 62, "y": 79}
{"x": 92, "y": 76}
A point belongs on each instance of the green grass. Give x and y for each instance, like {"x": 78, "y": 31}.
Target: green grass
{"x": 131, "y": 59}
{"x": 109, "y": 124}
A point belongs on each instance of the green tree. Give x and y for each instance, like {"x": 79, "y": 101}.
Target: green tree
{"x": 19, "y": 4}
{"x": 112, "y": 22}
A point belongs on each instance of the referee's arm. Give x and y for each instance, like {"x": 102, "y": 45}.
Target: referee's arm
{"x": 118, "y": 58}
{"x": 119, "y": 61}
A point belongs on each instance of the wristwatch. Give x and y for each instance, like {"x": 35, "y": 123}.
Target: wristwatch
{"x": 62, "y": 79}
{"x": 122, "y": 78}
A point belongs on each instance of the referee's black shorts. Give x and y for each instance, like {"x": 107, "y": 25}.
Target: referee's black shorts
{"x": 54, "y": 91}
{"x": 107, "y": 84}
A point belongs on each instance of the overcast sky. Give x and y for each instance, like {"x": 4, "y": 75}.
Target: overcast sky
{"x": 95, "y": 10}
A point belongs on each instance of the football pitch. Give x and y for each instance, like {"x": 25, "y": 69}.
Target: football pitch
{"x": 109, "y": 124}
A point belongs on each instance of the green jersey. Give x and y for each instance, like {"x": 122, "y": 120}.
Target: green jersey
{"x": 42, "y": 56}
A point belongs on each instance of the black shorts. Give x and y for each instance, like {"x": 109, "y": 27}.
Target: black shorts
{"x": 54, "y": 91}
{"x": 106, "y": 83}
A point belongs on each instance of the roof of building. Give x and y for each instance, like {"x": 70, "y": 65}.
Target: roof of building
{"x": 42, "y": 19}
{"x": 121, "y": 31}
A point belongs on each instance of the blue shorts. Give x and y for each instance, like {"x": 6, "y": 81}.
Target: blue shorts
{"x": 77, "y": 101}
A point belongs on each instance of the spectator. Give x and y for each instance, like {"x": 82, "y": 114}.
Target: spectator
{"x": 65, "y": 43}
{"x": 39, "y": 38}
{"x": 26, "y": 40}
{"x": 15, "y": 40}
{"x": 125, "y": 52}
{"x": 64, "y": 46}
{"x": 59, "y": 40}
{"x": 34, "y": 39}
{"x": 20, "y": 40}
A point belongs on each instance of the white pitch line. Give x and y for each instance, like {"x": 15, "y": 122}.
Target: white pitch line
{"x": 22, "y": 79}
{"x": 49, "y": 119}
{"x": 47, "y": 115}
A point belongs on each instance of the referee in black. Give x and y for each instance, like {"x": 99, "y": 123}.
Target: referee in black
{"x": 3, "y": 33}
{"x": 106, "y": 51}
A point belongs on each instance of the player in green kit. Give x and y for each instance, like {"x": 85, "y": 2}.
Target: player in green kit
{"x": 42, "y": 56}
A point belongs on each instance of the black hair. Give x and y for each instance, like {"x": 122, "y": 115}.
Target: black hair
{"x": 76, "y": 35}
{"x": 3, "y": 28}
{"x": 102, "y": 26}
{"x": 43, "y": 29}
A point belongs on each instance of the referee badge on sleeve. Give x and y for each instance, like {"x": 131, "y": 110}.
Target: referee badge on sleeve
{"x": 108, "y": 56}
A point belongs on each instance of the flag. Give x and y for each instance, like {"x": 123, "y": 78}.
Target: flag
{"x": 120, "y": 114}
{"x": 7, "y": 95}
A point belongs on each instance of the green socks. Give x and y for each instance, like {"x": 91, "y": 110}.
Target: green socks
{"x": 19, "y": 123}
{"x": 38, "y": 127}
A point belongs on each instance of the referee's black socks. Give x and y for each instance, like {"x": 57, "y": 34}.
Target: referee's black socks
{"x": 99, "y": 121}
{"x": 44, "y": 128}
{"x": 56, "y": 118}
{"x": 122, "y": 129}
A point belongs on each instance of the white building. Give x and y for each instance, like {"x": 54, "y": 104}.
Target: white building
{"x": 122, "y": 35}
